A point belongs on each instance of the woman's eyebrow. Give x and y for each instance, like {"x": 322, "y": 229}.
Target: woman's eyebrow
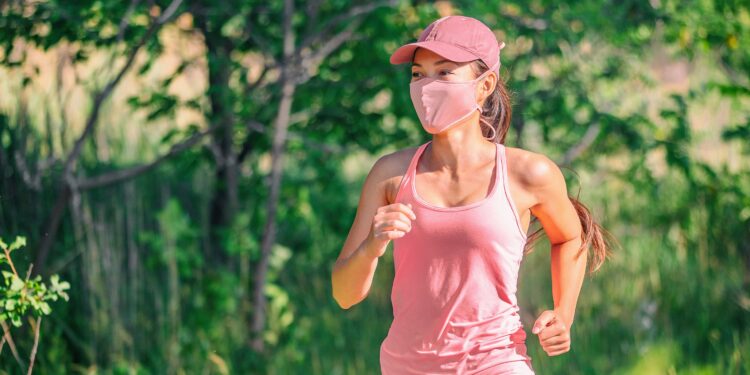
{"x": 436, "y": 63}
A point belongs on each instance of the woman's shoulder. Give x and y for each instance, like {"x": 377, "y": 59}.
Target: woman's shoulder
{"x": 390, "y": 169}
{"x": 531, "y": 168}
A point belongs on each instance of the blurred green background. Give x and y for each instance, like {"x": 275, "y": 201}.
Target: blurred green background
{"x": 192, "y": 169}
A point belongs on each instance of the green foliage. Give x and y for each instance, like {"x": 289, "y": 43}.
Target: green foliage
{"x": 240, "y": 240}
{"x": 18, "y": 295}
{"x": 175, "y": 241}
{"x": 280, "y": 313}
{"x": 160, "y": 104}
{"x": 740, "y": 133}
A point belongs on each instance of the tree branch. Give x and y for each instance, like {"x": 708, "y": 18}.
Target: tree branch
{"x": 288, "y": 87}
{"x": 101, "y": 96}
{"x": 586, "y": 141}
{"x": 353, "y": 12}
{"x": 266, "y": 68}
{"x": 127, "y": 173}
{"x": 36, "y": 343}
{"x": 11, "y": 344}
{"x": 311, "y": 62}
{"x": 537, "y": 24}
{"x": 124, "y": 21}
{"x": 68, "y": 181}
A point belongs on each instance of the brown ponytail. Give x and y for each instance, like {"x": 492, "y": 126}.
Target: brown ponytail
{"x": 497, "y": 110}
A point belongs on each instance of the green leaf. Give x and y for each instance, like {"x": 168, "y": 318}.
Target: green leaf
{"x": 17, "y": 284}
{"x": 44, "y": 306}
{"x": 57, "y": 286}
{"x": 20, "y": 241}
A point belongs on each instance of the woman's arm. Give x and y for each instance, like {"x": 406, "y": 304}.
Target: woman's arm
{"x": 562, "y": 225}
{"x": 375, "y": 224}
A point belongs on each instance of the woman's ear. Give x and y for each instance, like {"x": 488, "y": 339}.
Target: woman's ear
{"x": 487, "y": 86}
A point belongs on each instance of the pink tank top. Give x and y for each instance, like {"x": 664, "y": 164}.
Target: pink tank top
{"x": 454, "y": 290}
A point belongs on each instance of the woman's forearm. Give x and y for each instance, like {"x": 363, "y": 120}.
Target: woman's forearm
{"x": 568, "y": 267}
{"x": 352, "y": 276}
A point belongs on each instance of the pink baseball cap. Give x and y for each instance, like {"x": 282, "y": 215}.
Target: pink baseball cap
{"x": 457, "y": 38}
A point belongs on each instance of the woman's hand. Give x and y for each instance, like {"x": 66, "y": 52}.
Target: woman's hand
{"x": 390, "y": 222}
{"x": 553, "y": 332}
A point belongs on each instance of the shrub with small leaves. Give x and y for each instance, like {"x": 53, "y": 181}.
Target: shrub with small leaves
{"x": 19, "y": 295}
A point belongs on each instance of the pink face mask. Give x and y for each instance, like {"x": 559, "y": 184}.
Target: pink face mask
{"x": 440, "y": 104}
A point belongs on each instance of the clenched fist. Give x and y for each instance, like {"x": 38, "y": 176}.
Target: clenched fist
{"x": 553, "y": 333}
{"x": 390, "y": 222}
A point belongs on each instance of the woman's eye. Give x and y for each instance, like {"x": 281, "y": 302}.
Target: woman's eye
{"x": 443, "y": 72}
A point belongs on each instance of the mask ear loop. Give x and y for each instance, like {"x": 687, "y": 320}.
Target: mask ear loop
{"x": 481, "y": 120}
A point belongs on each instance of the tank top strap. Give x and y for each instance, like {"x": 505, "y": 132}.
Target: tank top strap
{"x": 506, "y": 188}
{"x": 410, "y": 170}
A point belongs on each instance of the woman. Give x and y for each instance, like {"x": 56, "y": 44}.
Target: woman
{"x": 457, "y": 209}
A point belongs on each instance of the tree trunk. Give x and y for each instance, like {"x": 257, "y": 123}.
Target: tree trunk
{"x": 281, "y": 125}
{"x": 224, "y": 198}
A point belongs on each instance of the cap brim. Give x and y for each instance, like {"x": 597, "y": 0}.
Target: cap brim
{"x": 404, "y": 53}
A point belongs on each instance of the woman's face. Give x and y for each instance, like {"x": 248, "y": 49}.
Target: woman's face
{"x": 429, "y": 64}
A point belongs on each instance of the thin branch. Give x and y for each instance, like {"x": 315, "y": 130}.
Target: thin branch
{"x": 313, "y": 38}
{"x": 255, "y": 126}
{"x": 10, "y": 261}
{"x": 47, "y": 236}
{"x": 30, "y": 179}
{"x": 169, "y": 12}
{"x": 128, "y": 173}
{"x": 36, "y": 343}
{"x": 46, "y": 164}
{"x": 353, "y": 12}
{"x": 68, "y": 183}
{"x": 257, "y": 84}
{"x": 105, "y": 93}
{"x": 33, "y": 180}
{"x": 216, "y": 152}
{"x": 312, "y": 61}
{"x": 124, "y": 21}
{"x": 28, "y": 273}
{"x": 537, "y": 24}
{"x": 574, "y": 152}
{"x": 279, "y": 136}
{"x": 12, "y": 345}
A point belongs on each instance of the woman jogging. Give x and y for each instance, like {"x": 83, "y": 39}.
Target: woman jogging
{"x": 457, "y": 209}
